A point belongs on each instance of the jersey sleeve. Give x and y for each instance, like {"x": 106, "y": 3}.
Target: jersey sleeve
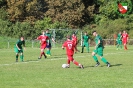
{"x": 64, "y": 44}
{"x": 39, "y": 38}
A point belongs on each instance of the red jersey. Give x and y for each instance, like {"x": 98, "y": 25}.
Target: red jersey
{"x": 124, "y": 36}
{"x": 74, "y": 38}
{"x": 43, "y": 39}
{"x": 70, "y": 45}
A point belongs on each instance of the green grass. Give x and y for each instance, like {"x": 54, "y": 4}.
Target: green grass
{"x": 48, "y": 73}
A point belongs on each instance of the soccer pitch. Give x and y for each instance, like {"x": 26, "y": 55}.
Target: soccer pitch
{"x": 48, "y": 73}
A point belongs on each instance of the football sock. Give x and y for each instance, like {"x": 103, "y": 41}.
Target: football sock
{"x": 16, "y": 57}
{"x": 49, "y": 52}
{"x": 104, "y": 60}
{"x": 82, "y": 48}
{"x": 42, "y": 53}
{"x": 76, "y": 63}
{"x": 87, "y": 49}
{"x": 68, "y": 61}
{"x": 95, "y": 58}
{"x": 21, "y": 57}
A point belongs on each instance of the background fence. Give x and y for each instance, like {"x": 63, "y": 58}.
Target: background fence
{"x": 36, "y": 44}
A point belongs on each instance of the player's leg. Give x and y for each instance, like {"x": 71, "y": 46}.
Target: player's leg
{"x": 16, "y": 51}
{"x": 75, "y": 62}
{"x": 42, "y": 52}
{"x": 121, "y": 44}
{"x": 21, "y": 55}
{"x": 100, "y": 53}
{"x": 68, "y": 62}
{"x": 83, "y": 48}
{"x": 117, "y": 45}
{"x": 87, "y": 47}
{"x": 48, "y": 53}
{"x": 95, "y": 58}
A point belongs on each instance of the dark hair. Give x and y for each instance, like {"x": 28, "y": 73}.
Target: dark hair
{"x": 93, "y": 31}
{"x": 68, "y": 36}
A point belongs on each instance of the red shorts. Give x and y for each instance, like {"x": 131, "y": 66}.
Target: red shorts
{"x": 43, "y": 46}
{"x": 70, "y": 57}
{"x": 124, "y": 41}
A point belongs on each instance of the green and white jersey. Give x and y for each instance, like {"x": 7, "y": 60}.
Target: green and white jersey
{"x": 97, "y": 38}
{"x": 20, "y": 43}
{"x": 119, "y": 37}
{"x": 49, "y": 36}
{"x": 86, "y": 38}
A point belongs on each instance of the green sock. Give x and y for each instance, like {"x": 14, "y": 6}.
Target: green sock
{"x": 21, "y": 57}
{"x": 104, "y": 60}
{"x": 95, "y": 58}
{"x": 82, "y": 48}
{"x": 49, "y": 52}
{"x": 87, "y": 49}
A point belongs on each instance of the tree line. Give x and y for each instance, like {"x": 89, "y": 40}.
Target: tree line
{"x": 29, "y": 17}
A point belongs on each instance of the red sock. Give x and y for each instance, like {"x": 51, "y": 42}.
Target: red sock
{"x": 68, "y": 61}
{"x": 42, "y": 53}
{"x": 76, "y": 63}
{"x": 126, "y": 47}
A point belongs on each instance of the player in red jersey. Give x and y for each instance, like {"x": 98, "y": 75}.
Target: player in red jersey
{"x": 125, "y": 39}
{"x": 75, "y": 39}
{"x": 43, "y": 41}
{"x": 70, "y": 46}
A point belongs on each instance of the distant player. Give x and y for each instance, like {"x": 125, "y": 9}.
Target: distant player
{"x": 70, "y": 46}
{"x": 49, "y": 46}
{"x": 86, "y": 42}
{"x": 119, "y": 40}
{"x": 43, "y": 41}
{"x": 125, "y": 39}
{"x": 19, "y": 49}
{"x": 75, "y": 39}
{"x": 99, "y": 50}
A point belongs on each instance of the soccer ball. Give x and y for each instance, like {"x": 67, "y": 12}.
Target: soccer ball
{"x": 64, "y": 65}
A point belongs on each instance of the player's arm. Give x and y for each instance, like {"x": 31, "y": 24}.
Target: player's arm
{"x": 64, "y": 45}
{"x": 17, "y": 46}
{"x": 127, "y": 38}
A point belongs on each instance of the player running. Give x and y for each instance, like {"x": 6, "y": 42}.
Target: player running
{"x": 49, "y": 46}
{"x": 19, "y": 49}
{"x": 70, "y": 46}
{"x": 125, "y": 39}
{"x": 119, "y": 40}
{"x": 75, "y": 39}
{"x": 99, "y": 49}
{"x": 86, "y": 42}
{"x": 43, "y": 40}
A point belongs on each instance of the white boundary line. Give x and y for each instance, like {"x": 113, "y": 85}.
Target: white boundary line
{"x": 119, "y": 53}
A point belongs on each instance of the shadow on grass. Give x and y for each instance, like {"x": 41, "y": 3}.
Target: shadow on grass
{"x": 103, "y": 65}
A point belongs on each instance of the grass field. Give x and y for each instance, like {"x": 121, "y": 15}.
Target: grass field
{"x": 48, "y": 73}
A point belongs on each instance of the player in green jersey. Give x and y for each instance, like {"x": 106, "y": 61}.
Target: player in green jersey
{"x": 86, "y": 42}
{"x": 99, "y": 50}
{"x": 49, "y": 46}
{"x": 18, "y": 48}
{"x": 119, "y": 40}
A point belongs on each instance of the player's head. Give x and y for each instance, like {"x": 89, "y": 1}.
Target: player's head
{"x": 85, "y": 33}
{"x": 120, "y": 32}
{"x": 124, "y": 31}
{"x": 94, "y": 33}
{"x": 73, "y": 33}
{"x": 68, "y": 37}
{"x": 22, "y": 38}
{"x": 43, "y": 32}
{"x": 47, "y": 30}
